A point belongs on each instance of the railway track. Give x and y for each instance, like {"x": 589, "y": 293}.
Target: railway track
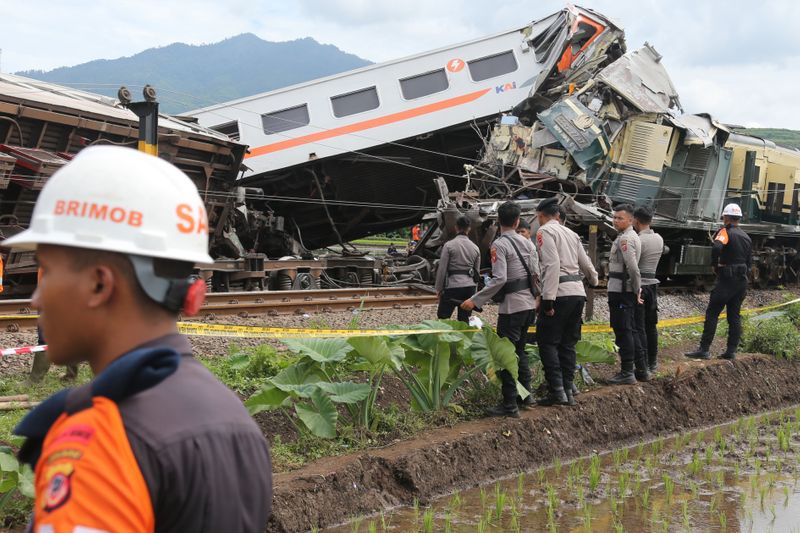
{"x": 16, "y": 315}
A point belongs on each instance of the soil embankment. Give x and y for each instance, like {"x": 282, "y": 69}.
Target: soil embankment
{"x": 333, "y": 490}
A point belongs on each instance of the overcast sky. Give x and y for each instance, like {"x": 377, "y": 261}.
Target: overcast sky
{"x": 736, "y": 59}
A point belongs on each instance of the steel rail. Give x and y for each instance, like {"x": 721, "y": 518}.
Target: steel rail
{"x": 16, "y": 315}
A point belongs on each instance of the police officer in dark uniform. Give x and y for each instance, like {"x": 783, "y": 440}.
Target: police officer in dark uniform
{"x": 731, "y": 257}
{"x": 459, "y": 267}
{"x": 512, "y": 273}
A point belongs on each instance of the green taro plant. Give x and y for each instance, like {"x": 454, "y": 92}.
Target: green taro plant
{"x": 14, "y": 477}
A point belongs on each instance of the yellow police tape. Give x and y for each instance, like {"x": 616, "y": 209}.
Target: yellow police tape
{"x": 254, "y": 332}
{"x": 672, "y": 322}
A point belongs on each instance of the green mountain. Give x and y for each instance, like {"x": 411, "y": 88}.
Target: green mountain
{"x": 790, "y": 138}
{"x": 192, "y": 76}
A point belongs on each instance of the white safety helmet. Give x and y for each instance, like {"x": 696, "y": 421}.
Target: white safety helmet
{"x": 120, "y": 200}
{"x": 732, "y": 210}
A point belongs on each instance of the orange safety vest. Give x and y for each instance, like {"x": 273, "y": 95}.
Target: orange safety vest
{"x": 87, "y": 475}
{"x": 415, "y": 233}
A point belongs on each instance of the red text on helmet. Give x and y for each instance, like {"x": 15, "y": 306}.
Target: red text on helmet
{"x": 192, "y": 220}
{"x": 118, "y": 215}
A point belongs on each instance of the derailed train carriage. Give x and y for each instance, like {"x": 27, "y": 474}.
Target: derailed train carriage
{"x": 43, "y": 125}
{"x": 619, "y": 138}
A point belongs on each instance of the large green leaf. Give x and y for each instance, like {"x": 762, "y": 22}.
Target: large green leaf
{"x": 8, "y": 463}
{"x": 269, "y": 397}
{"x": 320, "y": 350}
{"x": 320, "y": 416}
{"x": 299, "y": 379}
{"x": 26, "y": 486}
{"x": 589, "y": 352}
{"x": 346, "y": 391}
{"x": 489, "y": 348}
{"x": 8, "y": 481}
{"x": 239, "y": 361}
{"x": 374, "y": 349}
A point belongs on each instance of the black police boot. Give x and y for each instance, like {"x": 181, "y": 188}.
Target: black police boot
{"x": 729, "y": 355}
{"x": 527, "y": 403}
{"x": 575, "y": 390}
{"x": 698, "y": 354}
{"x": 623, "y": 377}
{"x": 641, "y": 373}
{"x": 503, "y": 410}
{"x": 556, "y": 396}
{"x": 652, "y": 365}
{"x": 569, "y": 389}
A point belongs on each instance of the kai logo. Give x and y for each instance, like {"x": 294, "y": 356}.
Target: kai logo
{"x": 505, "y": 87}
{"x": 455, "y": 65}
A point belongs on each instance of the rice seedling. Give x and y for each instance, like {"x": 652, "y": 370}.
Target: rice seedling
{"x": 594, "y": 473}
{"x": 618, "y": 527}
{"x": 372, "y": 527}
{"x": 626, "y": 455}
{"x": 448, "y": 525}
{"x": 587, "y": 519}
{"x": 355, "y": 525}
{"x": 455, "y": 501}
{"x": 709, "y": 455}
{"x": 514, "y": 524}
{"x": 482, "y": 495}
{"x": 481, "y": 526}
{"x": 720, "y": 478}
{"x": 557, "y": 466}
{"x": 499, "y": 501}
{"x": 427, "y": 520}
{"x": 786, "y": 493}
{"x": 640, "y": 450}
{"x": 783, "y": 440}
{"x": 722, "y": 518}
{"x": 736, "y": 471}
{"x": 622, "y": 484}
{"x": 384, "y": 523}
{"x": 695, "y": 466}
{"x": 762, "y": 496}
{"x": 581, "y": 497}
{"x": 616, "y": 456}
{"x": 540, "y": 474}
{"x": 669, "y": 488}
{"x": 645, "y": 498}
{"x": 685, "y": 514}
{"x": 520, "y": 484}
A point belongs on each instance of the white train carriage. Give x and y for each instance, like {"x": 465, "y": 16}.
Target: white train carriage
{"x": 408, "y": 97}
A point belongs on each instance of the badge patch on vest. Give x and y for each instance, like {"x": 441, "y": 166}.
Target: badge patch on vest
{"x": 624, "y": 245}
{"x": 494, "y": 254}
{"x": 539, "y": 238}
{"x": 59, "y": 489}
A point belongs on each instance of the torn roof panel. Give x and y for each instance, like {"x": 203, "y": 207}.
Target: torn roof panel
{"x": 640, "y": 78}
{"x": 700, "y": 129}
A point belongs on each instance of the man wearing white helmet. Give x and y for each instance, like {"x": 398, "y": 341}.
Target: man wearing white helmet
{"x": 154, "y": 442}
{"x": 731, "y": 257}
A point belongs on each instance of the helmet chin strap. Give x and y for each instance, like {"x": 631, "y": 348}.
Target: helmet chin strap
{"x": 170, "y": 293}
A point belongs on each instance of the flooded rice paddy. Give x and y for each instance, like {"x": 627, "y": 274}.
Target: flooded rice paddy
{"x": 741, "y": 477}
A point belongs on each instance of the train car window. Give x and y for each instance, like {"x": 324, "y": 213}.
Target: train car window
{"x": 356, "y": 102}
{"x": 424, "y": 84}
{"x": 285, "y": 119}
{"x": 231, "y": 129}
{"x": 492, "y": 66}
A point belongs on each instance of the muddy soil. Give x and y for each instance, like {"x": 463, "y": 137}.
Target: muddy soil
{"x": 333, "y": 490}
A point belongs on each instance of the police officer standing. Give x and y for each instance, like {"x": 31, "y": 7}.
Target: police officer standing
{"x": 558, "y": 327}
{"x": 731, "y": 257}
{"x": 624, "y": 287}
{"x": 512, "y": 273}
{"x": 647, "y": 313}
{"x": 459, "y": 267}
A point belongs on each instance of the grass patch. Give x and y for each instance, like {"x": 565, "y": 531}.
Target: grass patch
{"x": 777, "y": 336}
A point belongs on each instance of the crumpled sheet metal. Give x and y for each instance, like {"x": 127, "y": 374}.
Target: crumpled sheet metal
{"x": 577, "y": 129}
{"x": 700, "y": 129}
{"x": 640, "y": 78}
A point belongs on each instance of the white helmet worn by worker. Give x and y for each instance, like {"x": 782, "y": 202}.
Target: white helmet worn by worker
{"x": 732, "y": 210}
{"x": 121, "y": 200}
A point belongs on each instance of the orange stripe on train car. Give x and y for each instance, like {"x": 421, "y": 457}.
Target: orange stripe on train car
{"x": 367, "y": 124}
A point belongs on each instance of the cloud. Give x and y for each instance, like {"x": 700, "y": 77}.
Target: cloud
{"x": 735, "y": 59}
